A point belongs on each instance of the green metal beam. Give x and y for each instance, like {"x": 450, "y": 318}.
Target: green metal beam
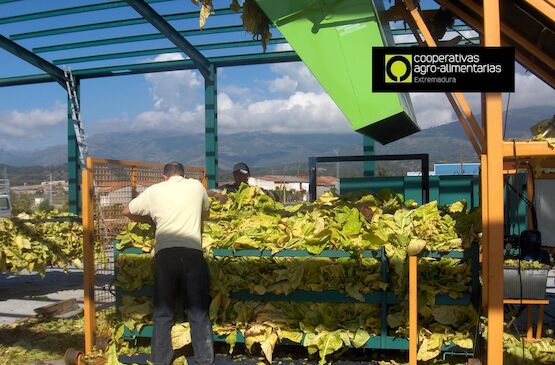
{"x": 141, "y": 68}
{"x": 157, "y": 51}
{"x": 211, "y": 126}
{"x": 67, "y": 11}
{"x": 368, "y": 150}
{"x": 73, "y": 163}
{"x": 172, "y": 34}
{"x": 33, "y": 59}
{"x": 154, "y": 36}
{"x": 135, "y": 38}
{"x": 221, "y": 61}
{"x": 112, "y": 24}
{"x": 458, "y": 28}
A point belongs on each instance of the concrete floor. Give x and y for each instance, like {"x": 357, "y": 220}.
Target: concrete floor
{"x": 21, "y": 294}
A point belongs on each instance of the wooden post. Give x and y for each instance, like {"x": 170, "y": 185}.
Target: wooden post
{"x": 88, "y": 256}
{"x": 413, "y": 309}
{"x": 134, "y": 182}
{"x": 530, "y": 193}
{"x": 484, "y": 243}
{"x": 530, "y": 322}
{"x": 539, "y": 327}
{"x": 495, "y": 214}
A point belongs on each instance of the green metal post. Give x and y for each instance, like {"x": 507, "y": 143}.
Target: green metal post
{"x": 368, "y": 149}
{"x": 211, "y": 126}
{"x": 73, "y": 164}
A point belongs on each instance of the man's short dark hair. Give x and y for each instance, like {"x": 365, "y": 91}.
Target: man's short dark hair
{"x": 174, "y": 168}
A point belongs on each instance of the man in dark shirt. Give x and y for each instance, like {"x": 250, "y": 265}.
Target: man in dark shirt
{"x": 241, "y": 174}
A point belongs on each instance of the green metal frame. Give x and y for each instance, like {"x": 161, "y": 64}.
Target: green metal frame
{"x": 211, "y": 126}
{"x": 73, "y": 161}
{"x": 201, "y": 63}
{"x": 384, "y": 299}
{"x": 206, "y": 65}
{"x": 30, "y": 57}
{"x": 112, "y": 24}
{"x": 67, "y": 11}
{"x": 158, "y": 51}
{"x": 368, "y": 150}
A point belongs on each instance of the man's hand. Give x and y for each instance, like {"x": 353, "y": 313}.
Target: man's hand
{"x": 215, "y": 194}
{"x": 137, "y": 218}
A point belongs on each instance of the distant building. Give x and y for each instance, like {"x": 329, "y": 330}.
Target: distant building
{"x": 58, "y": 186}
{"x": 295, "y": 183}
{"x": 117, "y": 192}
{"x": 466, "y": 168}
{"x": 443, "y": 169}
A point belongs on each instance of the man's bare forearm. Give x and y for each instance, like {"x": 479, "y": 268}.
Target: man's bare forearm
{"x": 141, "y": 219}
{"x": 137, "y": 218}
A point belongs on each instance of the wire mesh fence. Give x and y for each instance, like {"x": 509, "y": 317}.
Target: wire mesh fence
{"x": 115, "y": 183}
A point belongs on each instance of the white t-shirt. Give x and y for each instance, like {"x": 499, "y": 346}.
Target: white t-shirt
{"x": 176, "y": 207}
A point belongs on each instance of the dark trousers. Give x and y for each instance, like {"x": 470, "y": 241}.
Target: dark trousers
{"x": 181, "y": 272}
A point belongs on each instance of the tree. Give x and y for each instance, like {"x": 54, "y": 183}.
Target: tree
{"x": 22, "y": 202}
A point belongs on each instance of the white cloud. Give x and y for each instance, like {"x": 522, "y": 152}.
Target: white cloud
{"x": 233, "y": 90}
{"x": 293, "y": 101}
{"x": 175, "y": 90}
{"x": 531, "y": 91}
{"x": 112, "y": 124}
{"x": 295, "y": 72}
{"x": 302, "y": 112}
{"x": 171, "y": 119}
{"x": 297, "y": 103}
{"x": 31, "y": 124}
{"x": 283, "y": 84}
{"x": 281, "y": 47}
{"x": 432, "y": 109}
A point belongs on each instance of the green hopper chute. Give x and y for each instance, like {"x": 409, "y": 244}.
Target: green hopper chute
{"x": 334, "y": 38}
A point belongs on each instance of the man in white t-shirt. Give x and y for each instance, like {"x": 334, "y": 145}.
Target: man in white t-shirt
{"x": 177, "y": 206}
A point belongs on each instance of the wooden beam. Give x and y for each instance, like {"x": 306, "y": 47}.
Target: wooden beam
{"x": 495, "y": 184}
{"x": 431, "y": 42}
{"x": 464, "y": 124}
{"x": 528, "y": 149}
{"x": 530, "y": 191}
{"x": 523, "y": 59}
{"x": 89, "y": 326}
{"x": 415, "y": 13}
{"x": 547, "y": 8}
{"x": 514, "y": 35}
{"x": 544, "y": 163}
{"x": 480, "y": 136}
{"x": 527, "y": 62}
{"x": 484, "y": 241}
{"x": 413, "y": 309}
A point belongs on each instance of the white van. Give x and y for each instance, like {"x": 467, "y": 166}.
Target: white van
{"x": 5, "y": 203}
{"x": 5, "y": 206}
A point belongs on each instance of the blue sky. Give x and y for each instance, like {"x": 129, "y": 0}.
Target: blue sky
{"x": 280, "y": 98}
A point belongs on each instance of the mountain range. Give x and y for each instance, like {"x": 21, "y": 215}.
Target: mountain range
{"x": 270, "y": 152}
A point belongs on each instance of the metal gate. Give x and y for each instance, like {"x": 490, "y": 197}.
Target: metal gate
{"x": 107, "y": 186}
